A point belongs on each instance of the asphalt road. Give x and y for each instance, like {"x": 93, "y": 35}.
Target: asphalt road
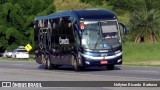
{"x": 31, "y": 71}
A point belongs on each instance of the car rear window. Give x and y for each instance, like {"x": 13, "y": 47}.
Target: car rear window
{"x": 9, "y": 50}
{"x": 21, "y": 51}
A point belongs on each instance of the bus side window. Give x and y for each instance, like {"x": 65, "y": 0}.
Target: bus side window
{"x": 65, "y": 26}
{"x": 56, "y": 32}
{"x": 45, "y": 23}
{"x": 49, "y": 34}
{"x": 36, "y": 32}
{"x": 61, "y": 26}
{"x": 56, "y": 26}
{"x": 71, "y": 32}
{"x": 77, "y": 38}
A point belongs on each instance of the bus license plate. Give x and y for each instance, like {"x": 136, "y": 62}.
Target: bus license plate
{"x": 104, "y": 62}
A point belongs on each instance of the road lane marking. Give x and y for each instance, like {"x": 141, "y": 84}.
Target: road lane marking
{"x": 17, "y": 64}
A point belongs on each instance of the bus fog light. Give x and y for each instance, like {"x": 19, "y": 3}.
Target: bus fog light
{"x": 119, "y": 60}
{"x": 87, "y": 62}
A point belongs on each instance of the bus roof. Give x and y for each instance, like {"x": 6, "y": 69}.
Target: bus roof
{"x": 81, "y": 14}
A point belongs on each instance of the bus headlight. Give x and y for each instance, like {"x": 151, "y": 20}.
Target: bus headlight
{"x": 117, "y": 52}
{"x": 87, "y": 56}
{"x": 119, "y": 60}
{"x": 87, "y": 62}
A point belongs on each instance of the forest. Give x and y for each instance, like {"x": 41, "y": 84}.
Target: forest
{"x": 142, "y": 18}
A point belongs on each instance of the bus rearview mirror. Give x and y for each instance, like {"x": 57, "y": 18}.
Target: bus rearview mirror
{"x": 125, "y": 31}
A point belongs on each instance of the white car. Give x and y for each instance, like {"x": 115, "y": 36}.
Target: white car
{"x": 20, "y": 53}
{"x": 7, "y": 53}
{"x": 21, "y": 47}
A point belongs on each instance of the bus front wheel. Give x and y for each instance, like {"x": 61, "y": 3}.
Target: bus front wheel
{"x": 75, "y": 64}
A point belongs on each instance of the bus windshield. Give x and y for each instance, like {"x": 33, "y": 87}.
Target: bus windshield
{"x": 100, "y": 35}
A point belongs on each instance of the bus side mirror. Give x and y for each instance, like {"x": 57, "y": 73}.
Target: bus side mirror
{"x": 125, "y": 31}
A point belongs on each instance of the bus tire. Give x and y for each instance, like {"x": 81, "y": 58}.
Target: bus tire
{"x": 110, "y": 67}
{"x": 48, "y": 63}
{"x": 43, "y": 60}
{"x": 76, "y": 68}
{"x": 75, "y": 64}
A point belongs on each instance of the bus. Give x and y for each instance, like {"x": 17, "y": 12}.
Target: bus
{"x": 81, "y": 38}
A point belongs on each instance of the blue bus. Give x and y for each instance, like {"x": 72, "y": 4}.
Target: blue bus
{"x": 81, "y": 38}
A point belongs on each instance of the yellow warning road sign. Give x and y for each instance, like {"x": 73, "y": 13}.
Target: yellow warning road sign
{"x": 28, "y": 47}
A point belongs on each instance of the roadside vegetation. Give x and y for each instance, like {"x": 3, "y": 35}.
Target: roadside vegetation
{"x": 142, "y": 18}
{"x": 141, "y": 54}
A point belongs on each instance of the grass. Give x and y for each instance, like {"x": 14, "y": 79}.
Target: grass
{"x": 141, "y": 54}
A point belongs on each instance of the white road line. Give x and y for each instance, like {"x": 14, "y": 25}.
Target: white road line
{"x": 17, "y": 64}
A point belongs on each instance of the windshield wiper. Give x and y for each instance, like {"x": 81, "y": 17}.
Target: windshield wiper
{"x": 96, "y": 42}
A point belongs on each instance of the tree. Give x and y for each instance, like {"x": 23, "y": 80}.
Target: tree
{"x": 99, "y": 3}
{"x": 2, "y": 1}
{"x": 17, "y": 21}
{"x": 124, "y": 4}
{"x": 144, "y": 23}
{"x": 93, "y": 2}
{"x": 69, "y": 5}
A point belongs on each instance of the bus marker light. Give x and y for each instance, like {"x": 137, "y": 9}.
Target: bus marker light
{"x": 82, "y": 25}
{"x": 87, "y": 62}
{"x": 119, "y": 60}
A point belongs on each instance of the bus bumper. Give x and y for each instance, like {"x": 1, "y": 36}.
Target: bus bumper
{"x": 90, "y": 62}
